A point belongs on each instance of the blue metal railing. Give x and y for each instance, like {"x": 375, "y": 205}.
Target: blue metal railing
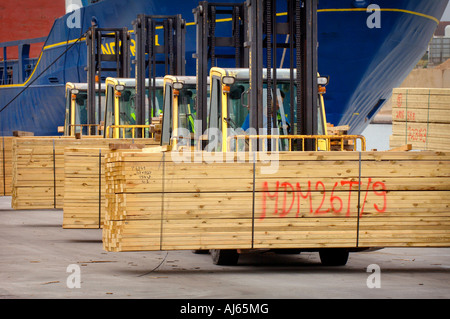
{"x": 18, "y": 71}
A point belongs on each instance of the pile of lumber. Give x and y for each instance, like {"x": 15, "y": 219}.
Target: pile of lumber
{"x": 311, "y": 200}
{"x": 421, "y": 117}
{"x": 337, "y": 130}
{"x": 83, "y": 191}
{"x": 5, "y": 165}
{"x": 22, "y": 134}
{"x": 38, "y": 169}
{"x": 37, "y": 174}
{"x": 156, "y": 128}
{"x": 336, "y": 144}
{"x": 84, "y": 184}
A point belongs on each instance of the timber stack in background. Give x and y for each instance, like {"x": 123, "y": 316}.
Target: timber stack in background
{"x": 421, "y": 117}
{"x": 6, "y": 162}
{"x": 85, "y": 183}
{"x": 38, "y": 168}
{"x": 6, "y": 165}
{"x": 433, "y": 78}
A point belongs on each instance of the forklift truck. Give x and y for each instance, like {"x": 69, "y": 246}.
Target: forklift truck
{"x": 76, "y": 111}
{"x": 121, "y": 109}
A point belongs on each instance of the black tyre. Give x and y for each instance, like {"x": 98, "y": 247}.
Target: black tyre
{"x": 200, "y": 251}
{"x": 334, "y": 256}
{"x": 287, "y": 251}
{"x": 224, "y": 257}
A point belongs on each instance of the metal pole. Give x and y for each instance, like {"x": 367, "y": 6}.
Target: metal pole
{"x": 309, "y": 80}
{"x": 255, "y": 31}
{"x": 140, "y": 29}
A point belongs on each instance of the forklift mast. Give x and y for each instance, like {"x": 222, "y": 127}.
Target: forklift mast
{"x": 115, "y": 62}
{"x": 210, "y": 45}
{"x": 150, "y": 54}
{"x": 297, "y": 30}
{"x": 263, "y": 31}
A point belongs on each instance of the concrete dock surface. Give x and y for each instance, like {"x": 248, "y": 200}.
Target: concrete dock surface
{"x": 40, "y": 259}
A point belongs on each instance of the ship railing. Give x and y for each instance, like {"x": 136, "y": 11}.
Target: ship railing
{"x": 9, "y": 73}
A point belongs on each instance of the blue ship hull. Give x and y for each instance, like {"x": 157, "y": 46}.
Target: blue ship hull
{"x": 364, "y": 64}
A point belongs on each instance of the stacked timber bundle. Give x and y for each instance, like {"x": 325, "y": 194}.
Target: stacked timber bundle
{"x": 38, "y": 172}
{"x": 84, "y": 184}
{"x": 337, "y": 130}
{"x": 156, "y": 128}
{"x": 421, "y": 117}
{"x": 297, "y": 200}
{"x": 38, "y": 169}
{"x": 6, "y": 164}
{"x": 336, "y": 144}
{"x": 83, "y": 191}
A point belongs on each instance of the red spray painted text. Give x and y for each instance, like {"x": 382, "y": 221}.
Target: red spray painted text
{"x": 286, "y": 198}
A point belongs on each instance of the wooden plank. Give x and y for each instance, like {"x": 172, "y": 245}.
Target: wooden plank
{"x": 421, "y": 130}
{"x": 405, "y": 148}
{"x": 420, "y": 142}
{"x": 261, "y": 157}
{"x": 85, "y": 184}
{"x": 6, "y": 165}
{"x": 195, "y": 233}
{"x": 22, "y": 133}
{"x": 405, "y": 231}
{"x": 421, "y": 117}
{"x": 421, "y": 91}
{"x": 39, "y": 161}
{"x": 305, "y": 232}
{"x": 313, "y": 200}
{"x": 417, "y": 115}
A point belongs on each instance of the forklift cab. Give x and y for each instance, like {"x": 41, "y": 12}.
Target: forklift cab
{"x": 228, "y": 110}
{"x": 180, "y": 111}
{"x": 121, "y": 112}
{"x": 76, "y": 110}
